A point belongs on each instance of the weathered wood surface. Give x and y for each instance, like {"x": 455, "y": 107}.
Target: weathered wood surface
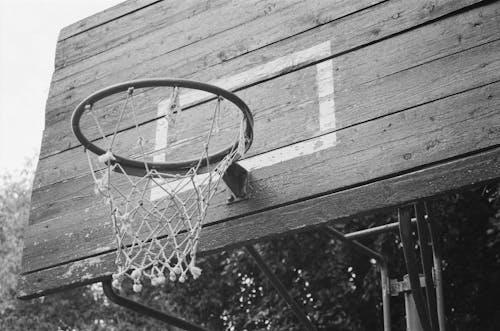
{"x": 395, "y": 143}
{"x": 420, "y": 84}
{"x": 120, "y": 29}
{"x": 411, "y": 88}
{"x": 353, "y": 71}
{"x": 278, "y": 19}
{"x": 476, "y": 56}
{"x": 104, "y": 17}
{"x": 202, "y": 60}
{"x": 71, "y": 84}
{"x": 337, "y": 206}
{"x": 181, "y": 23}
{"x": 270, "y": 103}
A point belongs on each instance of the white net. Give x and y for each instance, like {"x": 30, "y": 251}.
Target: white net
{"x": 157, "y": 217}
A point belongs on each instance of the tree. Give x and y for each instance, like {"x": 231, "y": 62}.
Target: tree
{"x": 14, "y": 210}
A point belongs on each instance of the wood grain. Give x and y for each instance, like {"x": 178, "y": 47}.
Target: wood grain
{"x": 391, "y": 144}
{"x": 337, "y": 207}
{"x": 271, "y": 104}
{"x": 377, "y": 65}
{"x": 434, "y": 84}
{"x": 242, "y": 22}
{"x": 121, "y": 29}
{"x": 417, "y": 99}
{"x": 104, "y": 17}
{"x": 201, "y": 62}
{"x": 203, "y": 21}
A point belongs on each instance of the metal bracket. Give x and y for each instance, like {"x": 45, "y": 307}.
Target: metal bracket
{"x": 236, "y": 179}
{"x": 412, "y": 266}
{"x": 397, "y": 287}
{"x": 170, "y": 319}
{"x": 425, "y": 298}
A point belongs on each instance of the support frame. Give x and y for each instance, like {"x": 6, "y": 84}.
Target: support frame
{"x": 430, "y": 307}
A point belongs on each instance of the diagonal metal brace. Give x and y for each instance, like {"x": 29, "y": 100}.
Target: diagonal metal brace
{"x": 427, "y": 264}
{"x": 438, "y": 268}
{"x": 137, "y": 307}
{"x": 236, "y": 179}
{"x": 412, "y": 266}
{"x": 278, "y": 286}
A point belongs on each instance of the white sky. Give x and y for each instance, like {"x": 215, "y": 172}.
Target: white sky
{"x": 28, "y": 36}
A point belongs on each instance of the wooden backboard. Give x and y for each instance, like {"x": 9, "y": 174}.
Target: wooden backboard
{"x": 358, "y": 105}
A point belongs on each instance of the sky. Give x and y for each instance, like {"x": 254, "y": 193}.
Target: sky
{"x": 28, "y": 37}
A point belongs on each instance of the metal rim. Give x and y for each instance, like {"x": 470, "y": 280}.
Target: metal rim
{"x": 162, "y": 82}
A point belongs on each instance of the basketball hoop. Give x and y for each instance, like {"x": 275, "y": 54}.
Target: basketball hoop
{"x": 158, "y": 236}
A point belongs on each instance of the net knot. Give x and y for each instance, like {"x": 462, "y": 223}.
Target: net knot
{"x": 195, "y": 271}
{"x": 101, "y": 185}
{"x": 159, "y": 280}
{"x": 136, "y": 274}
{"x": 106, "y": 157}
{"x": 137, "y": 287}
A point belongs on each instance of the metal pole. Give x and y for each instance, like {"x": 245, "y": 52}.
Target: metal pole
{"x": 386, "y": 294}
{"x": 412, "y": 320}
{"x": 137, "y": 307}
{"x": 384, "y": 271}
{"x": 438, "y": 270}
{"x": 278, "y": 286}
{"x": 375, "y": 230}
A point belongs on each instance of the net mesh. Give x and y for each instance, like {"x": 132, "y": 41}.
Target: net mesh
{"x": 157, "y": 218}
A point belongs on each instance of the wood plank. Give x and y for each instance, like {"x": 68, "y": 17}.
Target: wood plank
{"x": 418, "y": 83}
{"x": 103, "y": 17}
{"x": 270, "y": 104}
{"x": 427, "y": 43}
{"x": 358, "y": 71}
{"x": 242, "y": 20}
{"x": 200, "y": 62}
{"x": 405, "y": 92}
{"x": 167, "y": 20}
{"x": 337, "y": 207}
{"x": 413, "y": 138}
{"x": 436, "y": 84}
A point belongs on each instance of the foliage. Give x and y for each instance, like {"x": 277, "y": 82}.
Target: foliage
{"x": 338, "y": 288}
{"x": 471, "y": 241}
{"x": 14, "y": 209}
